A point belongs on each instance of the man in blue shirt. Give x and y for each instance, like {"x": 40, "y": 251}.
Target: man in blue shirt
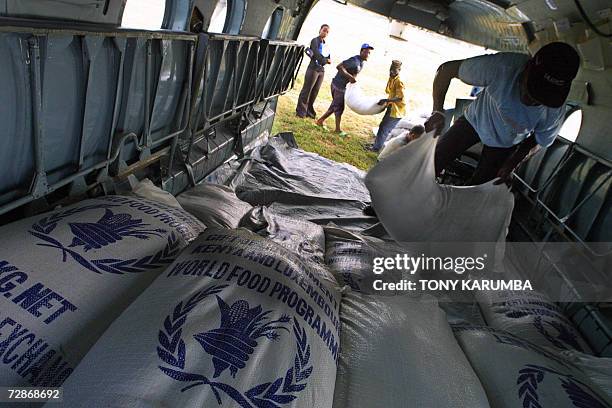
{"x": 520, "y": 107}
{"x": 347, "y": 71}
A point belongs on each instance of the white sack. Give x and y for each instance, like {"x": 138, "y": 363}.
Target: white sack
{"x": 531, "y": 316}
{"x": 360, "y": 103}
{"x": 406, "y": 123}
{"x": 392, "y": 146}
{"x": 516, "y": 373}
{"x": 214, "y": 204}
{"x": 401, "y": 352}
{"x": 402, "y": 126}
{"x": 236, "y": 321}
{"x": 66, "y": 275}
{"x": 461, "y": 312}
{"x": 414, "y": 208}
{"x": 350, "y": 257}
{"x": 598, "y": 369}
{"x": 399, "y": 131}
{"x": 146, "y": 189}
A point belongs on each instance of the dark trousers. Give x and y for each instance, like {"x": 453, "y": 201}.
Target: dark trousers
{"x": 387, "y": 124}
{"x": 460, "y": 137}
{"x": 312, "y": 83}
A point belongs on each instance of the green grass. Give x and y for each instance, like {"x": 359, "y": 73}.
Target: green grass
{"x": 349, "y": 149}
{"x": 418, "y": 79}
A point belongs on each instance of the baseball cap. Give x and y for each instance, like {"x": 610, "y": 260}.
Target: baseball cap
{"x": 366, "y": 45}
{"x": 551, "y": 72}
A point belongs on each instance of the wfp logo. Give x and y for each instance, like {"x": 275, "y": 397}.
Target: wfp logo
{"x": 579, "y": 393}
{"x": 240, "y": 331}
{"x": 109, "y": 229}
{"x": 236, "y": 339}
{"x": 560, "y": 335}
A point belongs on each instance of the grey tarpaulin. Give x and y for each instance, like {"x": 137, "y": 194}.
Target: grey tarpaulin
{"x": 347, "y": 214}
{"x": 279, "y": 172}
{"x": 298, "y": 184}
{"x": 302, "y": 238}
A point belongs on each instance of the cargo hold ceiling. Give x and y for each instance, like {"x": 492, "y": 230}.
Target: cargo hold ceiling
{"x": 106, "y": 12}
{"x": 505, "y": 25}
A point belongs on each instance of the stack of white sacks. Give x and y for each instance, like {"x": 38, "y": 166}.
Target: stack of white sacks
{"x": 65, "y": 276}
{"x": 253, "y": 318}
{"x": 236, "y": 321}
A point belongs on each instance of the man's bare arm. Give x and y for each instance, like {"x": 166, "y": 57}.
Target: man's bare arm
{"x": 446, "y": 72}
{"x": 345, "y": 73}
{"x": 524, "y": 151}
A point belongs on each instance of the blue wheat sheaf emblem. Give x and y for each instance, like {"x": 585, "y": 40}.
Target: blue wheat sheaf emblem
{"x": 580, "y": 394}
{"x": 109, "y": 229}
{"x": 230, "y": 346}
{"x": 565, "y": 336}
{"x": 236, "y": 339}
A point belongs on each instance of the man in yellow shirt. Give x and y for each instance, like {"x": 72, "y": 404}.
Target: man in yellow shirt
{"x": 396, "y": 106}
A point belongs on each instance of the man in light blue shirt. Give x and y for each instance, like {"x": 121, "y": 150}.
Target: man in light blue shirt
{"x": 520, "y": 107}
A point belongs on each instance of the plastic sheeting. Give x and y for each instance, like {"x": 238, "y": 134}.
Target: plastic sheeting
{"x": 360, "y": 103}
{"x": 299, "y": 184}
{"x": 414, "y": 208}
{"x": 400, "y": 352}
{"x": 302, "y": 238}
{"x": 517, "y": 373}
{"x": 236, "y": 321}
{"x": 280, "y": 172}
{"x": 347, "y": 214}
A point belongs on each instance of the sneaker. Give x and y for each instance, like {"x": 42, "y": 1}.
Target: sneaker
{"x": 370, "y": 148}
{"x": 312, "y": 115}
{"x": 342, "y": 134}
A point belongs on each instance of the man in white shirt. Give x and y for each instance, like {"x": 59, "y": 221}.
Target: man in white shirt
{"x": 520, "y": 108}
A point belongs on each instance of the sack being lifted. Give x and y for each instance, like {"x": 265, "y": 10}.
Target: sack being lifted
{"x": 413, "y": 207}
{"x": 360, "y": 103}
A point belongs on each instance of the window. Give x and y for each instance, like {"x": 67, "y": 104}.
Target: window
{"x": 219, "y": 15}
{"x": 144, "y": 14}
{"x": 571, "y": 127}
{"x": 270, "y": 30}
{"x": 227, "y": 17}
